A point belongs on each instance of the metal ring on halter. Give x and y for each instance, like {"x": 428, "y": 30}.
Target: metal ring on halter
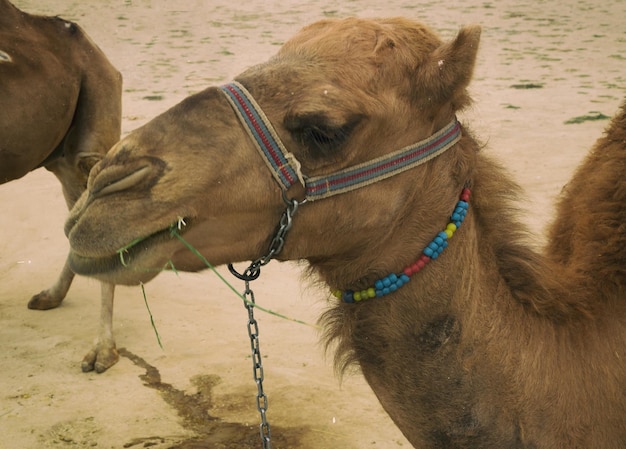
{"x": 290, "y": 202}
{"x": 250, "y": 274}
{"x": 278, "y": 241}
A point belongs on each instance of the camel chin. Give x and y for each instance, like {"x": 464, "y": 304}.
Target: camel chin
{"x": 110, "y": 269}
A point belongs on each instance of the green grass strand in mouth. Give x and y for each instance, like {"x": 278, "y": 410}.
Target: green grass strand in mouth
{"x": 156, "y": 332}
{"x": 173, "y": 229}
{"x": 229, "y": 285}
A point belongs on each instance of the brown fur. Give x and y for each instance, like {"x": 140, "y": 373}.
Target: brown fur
{"x": 588, "y": 234}
{"x": 60, "y": 108}
{"x": 493, "y": 344}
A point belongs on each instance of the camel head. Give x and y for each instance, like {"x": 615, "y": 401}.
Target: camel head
{"x": 340, "y": 93}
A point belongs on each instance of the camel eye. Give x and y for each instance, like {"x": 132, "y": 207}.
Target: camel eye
{"x": 322, "y": 140}
{"x": 317, "y": 135}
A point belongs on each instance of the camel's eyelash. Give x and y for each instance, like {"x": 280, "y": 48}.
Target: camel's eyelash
{"x": 314, "y": 132}
{"x": 322, "y": 140}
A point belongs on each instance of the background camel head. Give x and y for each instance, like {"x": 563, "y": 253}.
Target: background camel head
{"x": 339, "y": 93}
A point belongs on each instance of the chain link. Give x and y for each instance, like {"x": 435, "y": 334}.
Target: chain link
{"x": 257, "y": 368}
{"x": 251, "y": 273}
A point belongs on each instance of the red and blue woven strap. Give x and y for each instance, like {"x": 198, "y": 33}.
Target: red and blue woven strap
{"x": 384, "y": 167}
{"x": 286, "y": 169}
{"x": 263, "y": 135}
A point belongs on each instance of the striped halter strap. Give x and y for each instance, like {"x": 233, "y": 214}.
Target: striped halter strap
{"x": 286, "y": 168}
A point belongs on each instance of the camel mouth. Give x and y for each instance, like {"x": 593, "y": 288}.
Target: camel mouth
{"x": 171, "y": 232}
{"x": 136, "y": 262}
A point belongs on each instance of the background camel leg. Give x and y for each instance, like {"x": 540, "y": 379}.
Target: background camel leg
{"x": 53, "y": 297}
{"x": 104, "y": 354}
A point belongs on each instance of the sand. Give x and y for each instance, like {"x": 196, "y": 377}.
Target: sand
{"x": 541, "y": 66}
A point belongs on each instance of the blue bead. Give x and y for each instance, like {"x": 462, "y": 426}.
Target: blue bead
{"x": 428, "y": 252}
{"x": 443, "y": 235}
{"x": 386, "y": 291}
{"x": 455, "y": 217}
{"x": 393, "y": 288}
{"x": 433, "y": 246}
{"x": 393, "y": 278}
{"x": 378, "y": 284}
{"x": 438, "y": 240}
{"x": 379, "y": 293}
{"x": 444, "y": 246}
{"x": 348, "y": 296}
{"x": 435, "y": 255}
{"x": 386, "y": 281}
{"x": 405, "y": 278}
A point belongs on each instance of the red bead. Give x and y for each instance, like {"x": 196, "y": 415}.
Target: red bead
{"x": 465, "y": 194}
{"x": 408, "y": 271}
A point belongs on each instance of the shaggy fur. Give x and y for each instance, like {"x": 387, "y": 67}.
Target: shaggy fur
{"x": 588, "y": 234}
{"x": 493, "y": 344}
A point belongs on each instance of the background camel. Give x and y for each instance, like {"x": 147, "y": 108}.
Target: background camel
{"x": 60, "y": 108}
{"x": 488, "y": 345}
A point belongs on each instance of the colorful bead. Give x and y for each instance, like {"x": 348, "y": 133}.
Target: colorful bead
{"x": 392, "y": 282}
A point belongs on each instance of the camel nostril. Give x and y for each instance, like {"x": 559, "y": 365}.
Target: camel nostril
{"x": 110, "y": 181}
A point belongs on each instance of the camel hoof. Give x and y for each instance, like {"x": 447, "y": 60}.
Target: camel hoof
{"x": 100, "y": 360}
{"x": 44, "y": 301}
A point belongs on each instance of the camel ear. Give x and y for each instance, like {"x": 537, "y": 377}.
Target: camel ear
{"x": 449, "y": 69}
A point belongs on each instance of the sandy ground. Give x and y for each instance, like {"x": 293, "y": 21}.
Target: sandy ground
{"x": 542, "y": 64}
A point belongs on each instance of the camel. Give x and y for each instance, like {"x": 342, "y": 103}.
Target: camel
{"x": 469, "y": 335}
{"x": 60, "y": 108}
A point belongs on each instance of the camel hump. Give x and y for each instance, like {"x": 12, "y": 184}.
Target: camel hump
{"x": 617, "y": 130}
{"x": 589, "y": 235}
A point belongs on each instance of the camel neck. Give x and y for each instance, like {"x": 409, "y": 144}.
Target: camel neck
{"x": 394, "y": 281}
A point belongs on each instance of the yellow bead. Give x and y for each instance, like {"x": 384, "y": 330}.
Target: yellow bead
{"x": 371, "y": 292}
{"x": 450, "y": 229}
{"x": 337, "y": 294}
{"x": 357, "y": 296}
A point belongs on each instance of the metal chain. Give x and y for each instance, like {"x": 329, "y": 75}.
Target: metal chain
{"x": 250, "y": 274}
{"x": 257, "y": 368}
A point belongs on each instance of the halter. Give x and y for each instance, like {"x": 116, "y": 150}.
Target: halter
{"x": 286, "y": 169}
{"x": 287, "y": 172}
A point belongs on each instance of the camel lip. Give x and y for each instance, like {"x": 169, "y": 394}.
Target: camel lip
{"x": 177, "y": 228}
{"x": 125, "y": 266}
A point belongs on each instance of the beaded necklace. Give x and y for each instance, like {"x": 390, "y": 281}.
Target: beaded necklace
{"x": 393, "y": 281}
